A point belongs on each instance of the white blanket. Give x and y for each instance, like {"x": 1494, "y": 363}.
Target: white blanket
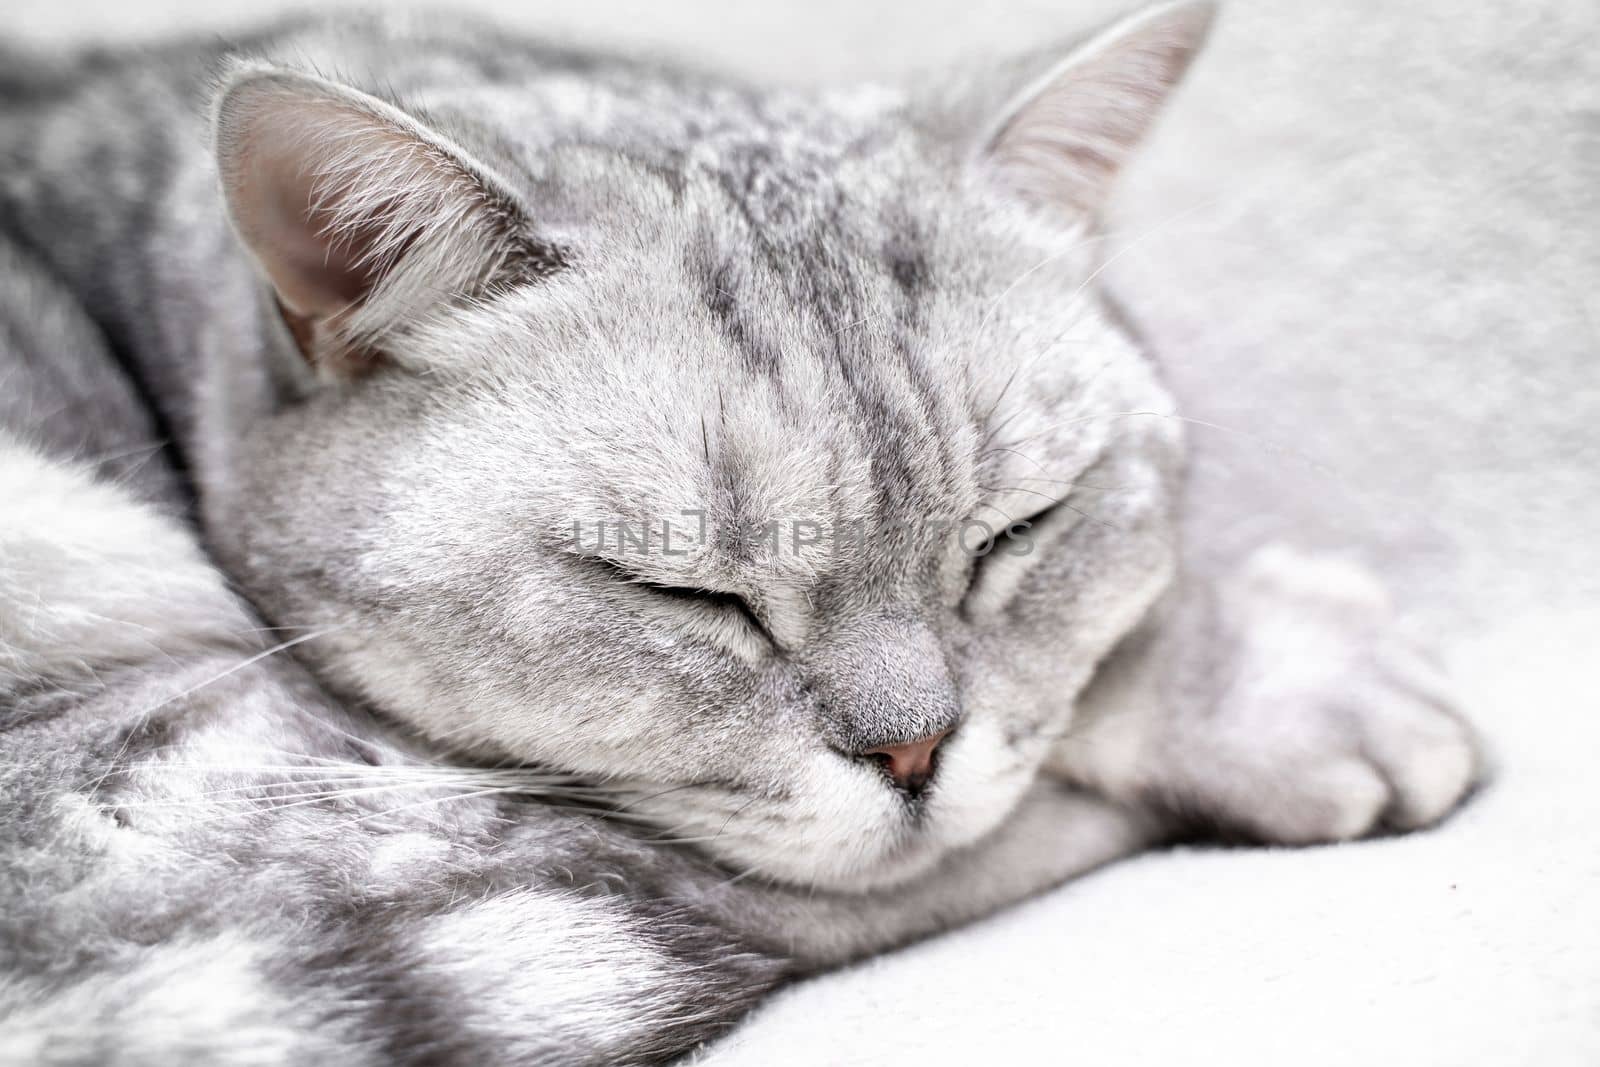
{"x": 1367, "y": 241}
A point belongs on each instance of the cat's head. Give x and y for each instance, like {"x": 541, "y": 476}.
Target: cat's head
{"x": 769, "y": 456}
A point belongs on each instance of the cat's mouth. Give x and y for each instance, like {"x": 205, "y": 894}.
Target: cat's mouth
{"x": 846, "y": 823}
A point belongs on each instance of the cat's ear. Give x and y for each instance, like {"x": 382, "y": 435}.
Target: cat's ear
{"x": 1061, "y": 142}
{"x": 364, "y": 220}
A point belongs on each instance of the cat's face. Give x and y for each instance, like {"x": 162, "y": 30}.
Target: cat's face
{"x": 699, "y": 502}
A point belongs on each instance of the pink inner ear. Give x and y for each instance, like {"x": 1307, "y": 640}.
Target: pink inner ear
{"x": 295, "y": 162}
{"x": 362, "y": 218}
{"x": 1066, "y": 141}
{"x": 317, "y": 273}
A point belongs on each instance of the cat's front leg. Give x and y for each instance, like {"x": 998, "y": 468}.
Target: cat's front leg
{"x": 1280, "y": 705}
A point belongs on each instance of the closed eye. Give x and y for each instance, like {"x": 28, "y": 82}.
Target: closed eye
{"x": 713, "y": 597}
{"x": 693, "y": 594}
{"x": 1014, "y": 540}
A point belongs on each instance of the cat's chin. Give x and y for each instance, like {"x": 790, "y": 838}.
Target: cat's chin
{"x": 912, "y": 855}
{"x": 911, "y": 861}
{"x": 857, "y": 840}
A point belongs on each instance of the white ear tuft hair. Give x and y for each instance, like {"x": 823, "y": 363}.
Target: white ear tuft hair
{"x": 1063, "y": 140}
{"x": 364, "y": 220}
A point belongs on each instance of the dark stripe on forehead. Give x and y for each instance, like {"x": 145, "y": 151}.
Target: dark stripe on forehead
{"x": 907, "y": 261}
{"x": 727, "y": 298}
{"x": 854, "y": 277}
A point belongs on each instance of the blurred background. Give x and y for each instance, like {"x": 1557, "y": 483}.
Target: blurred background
{"x": 1364, "y": 241}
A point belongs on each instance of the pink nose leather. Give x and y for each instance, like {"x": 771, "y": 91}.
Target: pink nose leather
{"x": 909, "y": 764}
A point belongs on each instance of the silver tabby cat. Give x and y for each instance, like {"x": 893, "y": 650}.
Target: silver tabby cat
{"x": 509, "y": 555}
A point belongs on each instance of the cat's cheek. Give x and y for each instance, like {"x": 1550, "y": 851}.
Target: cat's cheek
{"x": 982, "y": 775}
{"x": 840, "y": 828}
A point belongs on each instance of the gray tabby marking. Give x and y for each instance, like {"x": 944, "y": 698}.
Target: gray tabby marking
{"x": 323, "y": 739}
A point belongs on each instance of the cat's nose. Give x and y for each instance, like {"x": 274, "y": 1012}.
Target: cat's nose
{"x": 909, "y": 763}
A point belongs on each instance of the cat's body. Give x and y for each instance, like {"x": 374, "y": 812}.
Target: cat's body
{"x": 207, "y": 860}
{"x": 566, "y": 291}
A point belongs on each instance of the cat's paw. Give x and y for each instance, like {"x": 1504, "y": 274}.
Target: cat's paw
{"x": 1327, "y": 724}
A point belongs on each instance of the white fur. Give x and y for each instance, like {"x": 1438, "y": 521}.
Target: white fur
{"x": 189, "y": 1000}
{"x": 87, "y": 570}
{"x": 543, "y": 970}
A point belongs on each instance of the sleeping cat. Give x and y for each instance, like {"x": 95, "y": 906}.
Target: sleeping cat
{"x": 890, "y": 627}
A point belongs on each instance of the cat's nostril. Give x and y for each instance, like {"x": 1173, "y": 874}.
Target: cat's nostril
{"x": 910, "y": 763}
